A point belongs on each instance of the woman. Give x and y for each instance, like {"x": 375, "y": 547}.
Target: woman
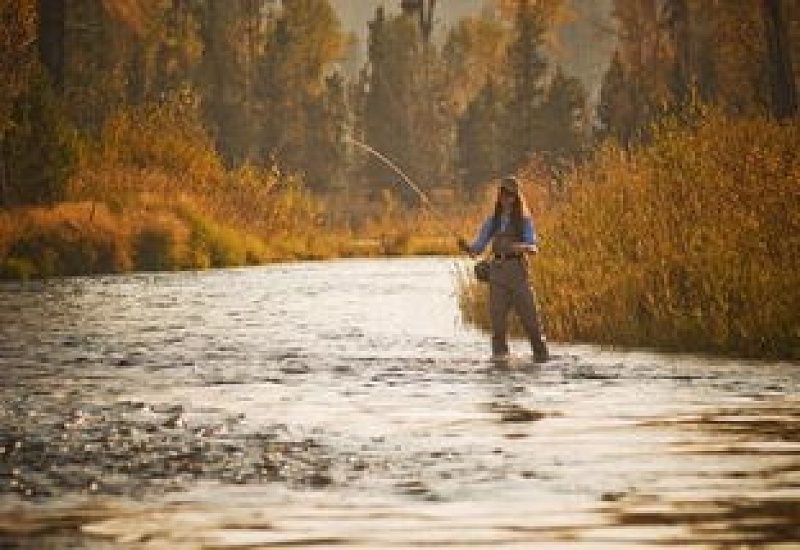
{"x": 511, "y": 233}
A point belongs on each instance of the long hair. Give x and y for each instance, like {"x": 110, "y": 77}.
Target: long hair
{"x": 519, "y": 211}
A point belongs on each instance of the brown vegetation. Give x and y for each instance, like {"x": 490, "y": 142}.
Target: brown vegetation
{"x": 690, "y": 243}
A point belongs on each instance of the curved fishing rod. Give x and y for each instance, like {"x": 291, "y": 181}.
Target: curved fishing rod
{"x": 388, "y": 162}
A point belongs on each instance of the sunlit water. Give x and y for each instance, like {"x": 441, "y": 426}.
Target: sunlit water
{"x": 344, "y": 404}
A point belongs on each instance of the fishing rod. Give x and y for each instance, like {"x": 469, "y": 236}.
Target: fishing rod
{"x": 396, "y": 169}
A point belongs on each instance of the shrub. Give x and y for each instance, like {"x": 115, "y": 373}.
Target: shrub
{"x": 161, "y": 243}
{"x": 68, "y": 239}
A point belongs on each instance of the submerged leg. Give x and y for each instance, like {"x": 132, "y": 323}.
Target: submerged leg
{"x": 499, "y": 307}
{"x": 525, "y": 307}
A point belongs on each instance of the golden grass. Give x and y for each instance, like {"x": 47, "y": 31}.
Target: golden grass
{"x": 691, "y": 243}
{"x": 152, "y": 194}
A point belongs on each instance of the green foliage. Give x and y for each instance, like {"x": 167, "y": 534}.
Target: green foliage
{"x": 527, "y": 71}
{"x": 481, "y": 136}
{"x": 405, "y": 111}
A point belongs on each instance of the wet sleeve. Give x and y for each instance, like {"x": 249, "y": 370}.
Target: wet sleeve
{"x": 529, "y": 232}
{"x": 483, "y": 238}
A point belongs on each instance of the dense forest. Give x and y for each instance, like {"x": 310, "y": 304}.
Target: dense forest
{"x": 263, "y": 80}
{"x": 160, "y": 134}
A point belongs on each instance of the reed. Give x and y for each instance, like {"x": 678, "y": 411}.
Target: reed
{"x": 690, "y": 243}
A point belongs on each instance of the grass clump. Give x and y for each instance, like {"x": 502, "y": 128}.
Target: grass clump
{"x": 63, "y": 240}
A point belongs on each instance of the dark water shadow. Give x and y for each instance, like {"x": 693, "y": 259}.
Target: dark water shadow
{"x": 767, "y": 516}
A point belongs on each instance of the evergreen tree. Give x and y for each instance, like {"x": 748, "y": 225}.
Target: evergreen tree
{"x": 678, "y": 21}
{"x": 221, "y": 78}
{"x": 304, "y": 45}
{"x": 37, "y": 143}
{"x": 480, "y": 137}
{"x": 565, "y": 118}
{"x": 385, "y": 120}
{"x": 110, "y": 64}
{"x": 18, "y": 62}
{"x": 527, "y": 69}
{"x": 733, "y": 54}
{"x": 330, "y": 120}
{"x": 406, "y": 111}
{"x": 614, "y": 111}
{"x": 646, "y": 61}
{"x": 18, "y": 54}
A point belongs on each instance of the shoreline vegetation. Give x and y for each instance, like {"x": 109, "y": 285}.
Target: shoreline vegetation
{"x": 153, "y": 195}
{"x": 688, "y": 243}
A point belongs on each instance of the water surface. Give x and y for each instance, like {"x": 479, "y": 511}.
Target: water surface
{"x": 344, "y": 404}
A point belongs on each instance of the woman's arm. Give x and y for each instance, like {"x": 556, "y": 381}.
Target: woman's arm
{"x": 481, "y": 241}
{"x": 530, "y": 242}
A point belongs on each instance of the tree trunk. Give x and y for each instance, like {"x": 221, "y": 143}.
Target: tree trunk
{"x": 779, "y": 63}
{"x": 680, "y": 30}
{"x": 52, "y": 14}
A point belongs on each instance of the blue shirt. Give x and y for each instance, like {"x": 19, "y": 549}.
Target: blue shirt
{"x": 485, "y": 234}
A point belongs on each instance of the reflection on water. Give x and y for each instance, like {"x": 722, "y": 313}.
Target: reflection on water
{"x": 343, "y": 404}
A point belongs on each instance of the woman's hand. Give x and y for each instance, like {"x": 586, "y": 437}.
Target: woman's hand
{"x": 525, "y": 248}
{"x": 463, "y": 246}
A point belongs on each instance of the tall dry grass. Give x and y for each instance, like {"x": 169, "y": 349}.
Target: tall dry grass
{"x": 690, "y": 243}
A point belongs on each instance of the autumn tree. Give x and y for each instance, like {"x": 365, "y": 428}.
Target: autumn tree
{"x": 298, "y": 117}
{"x": 475, "y": 47}
{"x": 737, "y": 55}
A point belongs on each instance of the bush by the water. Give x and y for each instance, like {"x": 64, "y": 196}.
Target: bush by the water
{"x": 689, "y": 243}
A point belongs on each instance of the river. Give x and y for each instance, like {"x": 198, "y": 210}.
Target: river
{"x": 344, "y": 404}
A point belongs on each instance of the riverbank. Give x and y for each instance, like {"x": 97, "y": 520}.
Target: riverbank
{"x": 690, "y": 243}
{"x": 150, "y": 192}
{"x": 85, "y": 238}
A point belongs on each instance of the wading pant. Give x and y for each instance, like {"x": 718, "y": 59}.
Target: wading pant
{"x": 509, "y": 289}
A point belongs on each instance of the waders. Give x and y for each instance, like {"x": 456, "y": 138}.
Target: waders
{"x": 509, "y": 289}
